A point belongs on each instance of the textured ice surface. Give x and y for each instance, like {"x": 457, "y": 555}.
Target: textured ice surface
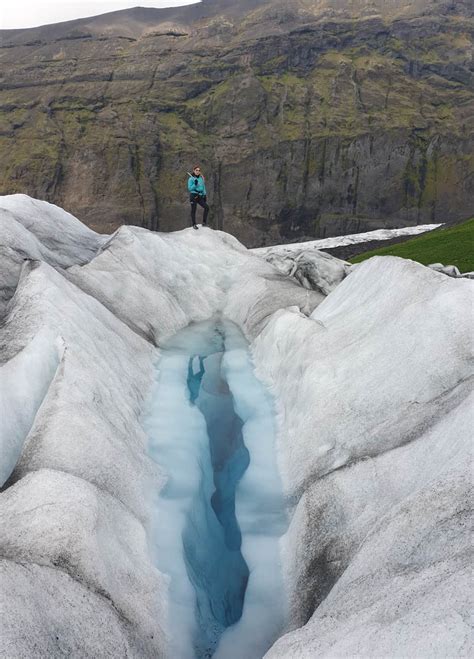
{"x": 373, "y": 443}
{"x": 24, "y": 381}
{"x": 313, "y": 269}
{"x": 211, "y": 428}
{"x": 375, "y": 446}
{"x": 73, "y": 542}
{"x": 157, "y": 283}
{"x": 33, "y": 229}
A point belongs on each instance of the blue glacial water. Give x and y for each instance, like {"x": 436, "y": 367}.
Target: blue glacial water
{"x": 218, "y": 520}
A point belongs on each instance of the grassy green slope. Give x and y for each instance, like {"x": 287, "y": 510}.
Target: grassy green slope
{"x": 450, "y": 246}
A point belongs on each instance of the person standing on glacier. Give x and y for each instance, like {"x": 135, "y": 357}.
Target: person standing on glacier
{"x": 197, "y": 195}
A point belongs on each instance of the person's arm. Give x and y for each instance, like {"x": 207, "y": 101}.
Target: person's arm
{"x": 192, "y": 184}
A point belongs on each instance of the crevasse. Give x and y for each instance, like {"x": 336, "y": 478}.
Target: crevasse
{"x": 218, "y": 520}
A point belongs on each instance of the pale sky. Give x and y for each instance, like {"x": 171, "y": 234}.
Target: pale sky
{"x": 30, "y": 13}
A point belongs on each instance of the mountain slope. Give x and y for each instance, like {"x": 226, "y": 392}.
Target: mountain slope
{"x": 309, "y": 120}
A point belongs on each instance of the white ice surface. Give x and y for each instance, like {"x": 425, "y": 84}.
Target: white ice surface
{"x": 85, "y": 452}
{"x": 395, "y": 530}
{"x": 24, "y": 381}
{"x": 33, "y": 229}
{"x": 58, "y": 235}
{"x": 364, "y": 363}
{"x": 182, "y": 277}
{"x": 371, "y": 441}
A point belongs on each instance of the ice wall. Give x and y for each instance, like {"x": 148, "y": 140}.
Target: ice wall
{"x": 24, "y": 381}
{"x": 75, "y": 572}
{"x": 375, "y": 438}
{"x": 34, "y": 229}
{"x": 260, "y": 509}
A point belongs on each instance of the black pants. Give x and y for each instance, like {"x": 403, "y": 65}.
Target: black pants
{"x": 195, "y": 200}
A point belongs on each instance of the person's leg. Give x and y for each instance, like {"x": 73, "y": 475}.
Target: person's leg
{"x": 202, "y": 202}
{"x": 193, "y": 212}
{"x": 206, "y": 213}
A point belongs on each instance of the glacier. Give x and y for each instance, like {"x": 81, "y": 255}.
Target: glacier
{"x": 351, "y": 392}
{"x": 350, "y": 239}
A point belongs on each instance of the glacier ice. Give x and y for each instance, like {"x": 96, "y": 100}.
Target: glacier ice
{"x": 24, "y": 381}
{"x": 74, "y": 514}
{"x": 351, "y": 239}
{"x": 387, "y": 474}
{"x": 370, "y": 379}
{"x": 34, "y": 229}
{"x": 313, "y": 269}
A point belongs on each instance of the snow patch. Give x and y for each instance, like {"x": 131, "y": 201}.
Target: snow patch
{"x": 350, "y": 239}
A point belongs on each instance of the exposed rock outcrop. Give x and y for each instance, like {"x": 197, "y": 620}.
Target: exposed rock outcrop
{"x": 310, "y": 119}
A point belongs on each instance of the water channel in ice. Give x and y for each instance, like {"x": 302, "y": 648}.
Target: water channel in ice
{"x": 218, "y": 520}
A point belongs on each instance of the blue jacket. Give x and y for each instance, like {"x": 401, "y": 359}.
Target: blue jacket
{"x": 196, "y": 185}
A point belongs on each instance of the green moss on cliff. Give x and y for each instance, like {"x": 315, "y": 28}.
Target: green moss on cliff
{"x": 108, "y": 114}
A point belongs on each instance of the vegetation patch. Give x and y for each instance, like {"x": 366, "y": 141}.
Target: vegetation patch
{"x": 450, "y": 246}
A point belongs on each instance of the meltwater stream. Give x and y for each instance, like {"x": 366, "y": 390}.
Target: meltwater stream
{"x": 218, "y": 519}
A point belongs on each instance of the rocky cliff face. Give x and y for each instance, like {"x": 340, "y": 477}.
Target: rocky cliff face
{"x": 308, "y": 120}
